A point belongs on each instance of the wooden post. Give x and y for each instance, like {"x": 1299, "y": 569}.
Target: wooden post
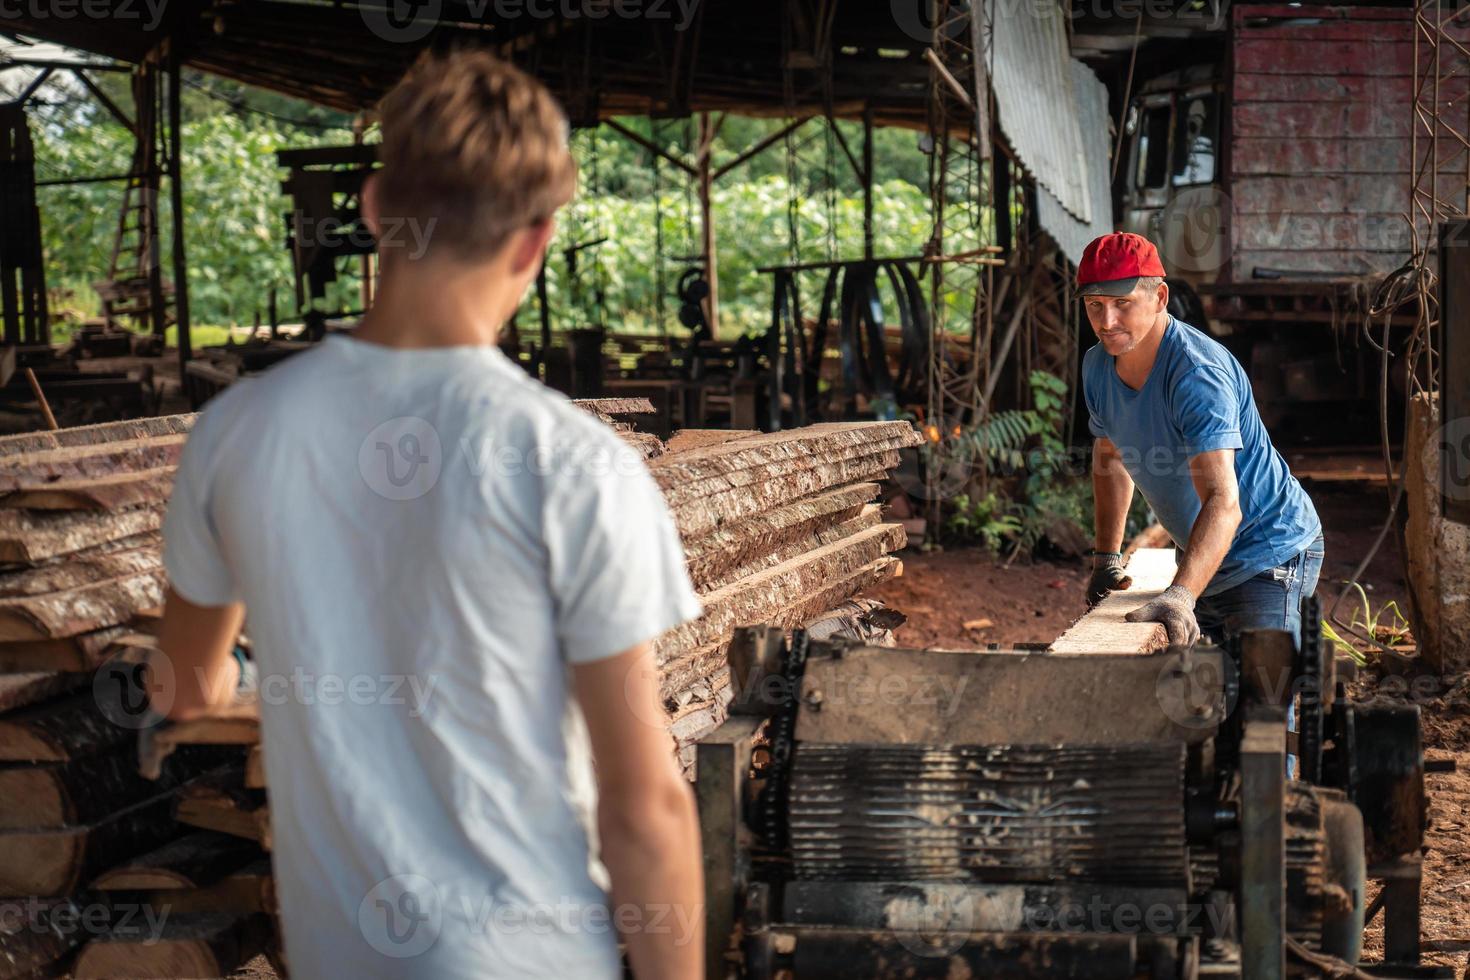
{"x": 707, "y": 225}
{"x": 176, "y": 195}
{"x": 867, "y": 177}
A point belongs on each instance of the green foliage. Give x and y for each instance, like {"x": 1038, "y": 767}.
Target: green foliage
{"x": 1387, "y": 624}
{"x": 990, "y": 520}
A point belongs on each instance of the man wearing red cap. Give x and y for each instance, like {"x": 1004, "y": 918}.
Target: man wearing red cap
{"x": 1172, "y": 413}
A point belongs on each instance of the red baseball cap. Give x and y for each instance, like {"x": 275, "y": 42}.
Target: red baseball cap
{"x": 1112, "y": 264}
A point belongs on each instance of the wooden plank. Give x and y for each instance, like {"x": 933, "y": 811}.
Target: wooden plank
{"x": 739, "y": 542}
{"x": 686, "y": 440}
{"x": 109, "y": 602}
{"x": 705, "y": 514}
{"x": 31, "y": 537}
{"x": 79, "y": 462}
{"x": 1348, "y": 264}
{"x": 255, "y": 768}
{"x": 1320, "y": 195}
{"x": 83, "y": 652}
{"x": 615, "y": 406}
{"x": 869, "y": 515}
{"x": 24, "y": 690}
{"x": 1293, "y": 157}
{"x": 191, "y": 944}
{"x": 1303, "y": 56}
{"x": 55, "y": 862}
{"x": 771, "y": 592}
{"x": 96, "y": 435}
{"x": 1103, "y": 630}
{"x": 80, "y": 570}
{"x": 1323, "y": 231}
{"x": 1327, "y": 119}
{"x": 116, "y": 492}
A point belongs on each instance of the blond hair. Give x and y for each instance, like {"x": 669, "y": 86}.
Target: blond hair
{"x": 475, "y": 146}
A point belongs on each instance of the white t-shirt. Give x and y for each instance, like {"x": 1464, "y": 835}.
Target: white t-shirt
{"x": 424, "y": 540}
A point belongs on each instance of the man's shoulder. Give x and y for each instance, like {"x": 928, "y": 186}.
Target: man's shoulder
{"x": 1196, "y": 356}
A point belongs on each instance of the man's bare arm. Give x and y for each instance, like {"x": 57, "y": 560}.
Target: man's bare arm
{"x": 198, "y": 640}
{"x": 1112, "y": 495}
{"x": 1213, "y": 474}
{"x": 646, "y": 817}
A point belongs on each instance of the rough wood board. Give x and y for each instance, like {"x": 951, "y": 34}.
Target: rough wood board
{"x": 769, "y": 593}
{"x": 78, "y": 462}
{"x": 616, "y": 406}
{"x": 79, "y": 570}
{"x": 84, "y": 652}
{"x": 1103, "y": 630}
{"x": 687, "y": 440}
{"x": 715, "y": 474}
{"x": 738, "y": 543}
{"x": 109, "y": 602}
{"x": 32, "y": 537}
{"x": 114, "y": 492}
{"x": 681, "y": 469}
{"x": 868, "y": 515}
{"x": 703, "y": 515}
{"x": 93, "y": 435}
{"x": 23, "y": 690}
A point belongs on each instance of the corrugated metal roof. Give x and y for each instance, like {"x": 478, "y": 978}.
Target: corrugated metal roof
{"x": 1093, "y": 119}
{"x": 1038, "y": 108}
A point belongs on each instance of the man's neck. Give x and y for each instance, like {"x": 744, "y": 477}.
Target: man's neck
{"x": 1134, "y": 366}
{"x": 436, "y": 305}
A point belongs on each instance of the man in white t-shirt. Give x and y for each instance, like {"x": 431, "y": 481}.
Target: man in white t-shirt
{"x": 452, "y": 577}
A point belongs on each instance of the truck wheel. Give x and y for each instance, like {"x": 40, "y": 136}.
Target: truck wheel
{"x": 1185, "y": 305}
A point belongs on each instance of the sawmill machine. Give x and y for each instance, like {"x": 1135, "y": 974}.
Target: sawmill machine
{"x": 880, "y": 812}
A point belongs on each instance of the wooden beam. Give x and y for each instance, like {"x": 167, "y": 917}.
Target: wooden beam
{"x": 781, "y": 133}
{"x": 647, "y": 144}
{"x": 1104, "y": 630}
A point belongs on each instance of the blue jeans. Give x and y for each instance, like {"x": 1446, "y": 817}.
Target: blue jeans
{"x": 1269, "y": 600}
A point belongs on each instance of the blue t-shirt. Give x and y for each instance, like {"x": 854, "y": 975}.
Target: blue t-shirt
{"x": 1197, "y": 399}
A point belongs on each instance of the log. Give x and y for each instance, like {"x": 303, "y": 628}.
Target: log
{"x": 237, "y": 813}
{"x": 255, "y": 768}
{"x": 95, "y": 435}
{"x": 54, "y": 862}
{"x": 31, "y": 537}
{"x": 741, "y": 541}
{"x": 99, "y": 604}
{"x": 60, "y": 731}
{"x": 616, "y": 406}
{"x": 115, "y": 492}
{"x": 192, "y": 861}
{"x": 1104, "y": 630}
{"x": 34, "y": 945}
{"x": 24, "y": 690}
{"x": 238, "y": 724}
{"x": 54, "y": 795}
{"x": 191, "y": 944}
{"x": 80, "y": 462}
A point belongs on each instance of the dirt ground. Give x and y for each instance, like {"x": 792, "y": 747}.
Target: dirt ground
{"x": 962, "y": 598}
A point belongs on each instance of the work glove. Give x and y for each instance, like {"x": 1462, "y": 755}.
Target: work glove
{"x": 1175, "y": 609}
{"x": 1107, "y": 575}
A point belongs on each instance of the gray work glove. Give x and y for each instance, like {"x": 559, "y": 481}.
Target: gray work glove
{"x": 1175, "y": 609}
{"x": 1107, "y": 576}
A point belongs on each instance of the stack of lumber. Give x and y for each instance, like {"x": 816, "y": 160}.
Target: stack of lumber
{"x": 80, "y": 585}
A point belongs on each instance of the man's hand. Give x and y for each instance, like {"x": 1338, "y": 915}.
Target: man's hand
{"x": 1175, "y": 609}
{"x": 1107, "y": 576}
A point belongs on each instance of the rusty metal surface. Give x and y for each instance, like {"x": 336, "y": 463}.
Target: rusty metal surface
{"x": 970, "y": 697}
{"x": 994, "y": 814}
{"x": 1034, "y": 91}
